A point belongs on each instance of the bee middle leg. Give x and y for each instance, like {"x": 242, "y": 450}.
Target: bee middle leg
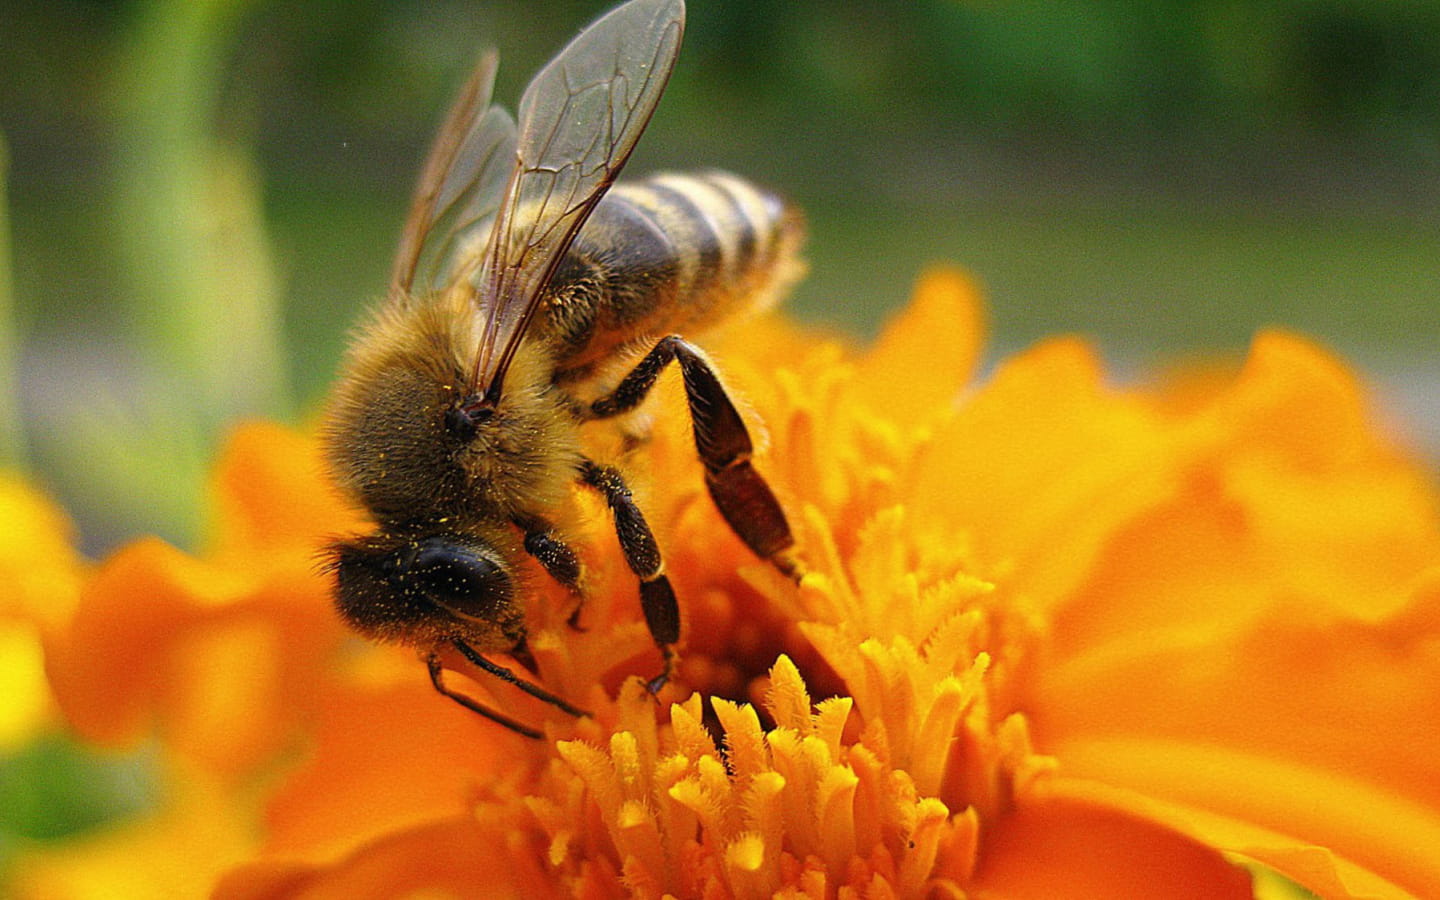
{"x": 740, "y": 492}
{"x": 642, "y": 554}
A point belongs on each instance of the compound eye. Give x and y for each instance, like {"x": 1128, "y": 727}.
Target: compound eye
{"x": 458, "y": 577}
{"x": 394, "y": 588}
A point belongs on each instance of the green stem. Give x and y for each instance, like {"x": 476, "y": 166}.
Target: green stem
{"x": 12, "y": 429}
{"x": 191, "y": 218}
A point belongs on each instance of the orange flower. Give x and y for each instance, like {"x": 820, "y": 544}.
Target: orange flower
{"x": 1074, "y": 640}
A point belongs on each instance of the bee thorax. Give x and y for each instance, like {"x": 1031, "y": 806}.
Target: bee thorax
{"x": 409, "y": 441}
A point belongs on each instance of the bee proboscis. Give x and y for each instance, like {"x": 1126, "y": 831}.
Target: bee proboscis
{"x": 524, "y": 276}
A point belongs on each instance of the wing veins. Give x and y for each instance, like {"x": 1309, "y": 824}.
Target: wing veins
{"x": 458, "y": 193}
{"x": 579, "y": 120}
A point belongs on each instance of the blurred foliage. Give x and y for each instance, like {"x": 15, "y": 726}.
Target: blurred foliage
{"x": 205, "y": 194}
{"x": 55, "y": 787}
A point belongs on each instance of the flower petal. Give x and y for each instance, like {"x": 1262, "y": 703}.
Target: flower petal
{"x": 1063, "y": 847}
{"x": 1038, "y": 469}
{"x": 271, "y": 496}
{"x": 385, "y": 759}
{"x": 925, "y": 355}
{"x": 1322, "y": 490}
{"x": 1324, "y": 871}
{"x": 1382, "y": 832}
{"x": 453, "y": 857}
{"x": 27, "y": 705}
{"x": 40, "y": 577}
{"x": 40, "y": 569}
{"x": 1357, "y": 699}
{"x": 225, "y": 665}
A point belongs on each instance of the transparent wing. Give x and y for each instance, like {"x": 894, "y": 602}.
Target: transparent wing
{"x": 579, "y": 120}
{"x": 459, "y": 191}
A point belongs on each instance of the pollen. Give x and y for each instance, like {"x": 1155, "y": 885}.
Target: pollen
{"x": 745, "y": 812}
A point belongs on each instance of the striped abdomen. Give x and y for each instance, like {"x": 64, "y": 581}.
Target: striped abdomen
{"x": 669, "y": 254}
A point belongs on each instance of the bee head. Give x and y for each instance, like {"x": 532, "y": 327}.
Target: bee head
{"x": 426, "y": 590}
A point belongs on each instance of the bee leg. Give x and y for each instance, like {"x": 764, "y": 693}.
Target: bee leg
{"x": 437, "y": 678}
{"x": 557, "y": 558}
{"x": 637, "y": 542}
{"x": 739, "y": 491}
{"x": 509, "y": 677}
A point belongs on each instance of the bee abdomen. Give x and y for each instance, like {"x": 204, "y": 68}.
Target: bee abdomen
{"x": 724, "y": 232}
{"x": 673, "y": 253}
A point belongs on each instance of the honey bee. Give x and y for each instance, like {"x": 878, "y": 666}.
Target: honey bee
{"x": 525, "y": 276}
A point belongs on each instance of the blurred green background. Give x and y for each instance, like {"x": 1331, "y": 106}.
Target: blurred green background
{"x": 203, "y": 194}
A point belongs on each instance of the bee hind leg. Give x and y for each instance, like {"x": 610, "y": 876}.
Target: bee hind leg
{"x": 740, "y": 492}
{"x": 642, "y": 554}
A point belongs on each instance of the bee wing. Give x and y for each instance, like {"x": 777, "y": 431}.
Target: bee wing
{"x": 579, "y": 120}
{"x": 459, "y": 191}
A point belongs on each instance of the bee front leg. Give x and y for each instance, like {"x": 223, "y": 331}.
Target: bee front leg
{"x": 557, "y": 558}
{"x": 509, "y": 677}
{"x": 739, "y": 491}
{"x": 437, "y": 678}
{"x": 637, "y": 542}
